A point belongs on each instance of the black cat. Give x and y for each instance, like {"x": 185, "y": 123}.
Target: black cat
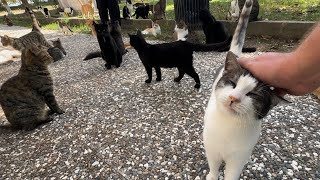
{"x": 142, "y": 11}
{"x": 168, "y": 55}
{"x": 109, "y": 49}
{"x": 215, "y": 31}
{"x": 115, "y": 32}
{"x": 126, "y": 13}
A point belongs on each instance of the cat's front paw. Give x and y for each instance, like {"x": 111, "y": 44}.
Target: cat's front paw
{"x": 210, "y": 176}
{"x": 148, "y": 81}
{"x": 197, "y": 86}
{"x": 158, "y": 79}
{"x": 118, "y": 65}
{"x": 108, "y": 66}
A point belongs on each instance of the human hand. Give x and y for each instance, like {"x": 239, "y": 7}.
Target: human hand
{"x": 278, "y": 70}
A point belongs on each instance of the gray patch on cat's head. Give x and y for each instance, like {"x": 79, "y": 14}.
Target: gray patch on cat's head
{"x": 57, "y": 44}
{"x": 263, "y": 98}
{"x": 181, "y": 24}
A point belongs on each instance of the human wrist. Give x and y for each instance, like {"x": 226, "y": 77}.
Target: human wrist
{"x": 302, "y": 72}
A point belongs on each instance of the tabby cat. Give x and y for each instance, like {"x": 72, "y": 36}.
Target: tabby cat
{"x": 35, "y": 23}
{"x": 7, "y": 20}
{"x": 57, "y": 52}
{"x": 215, "y": 31}
{"x": 168, "y": 55}
{"x": 64, "y": 28}
{"x": 34, "y": 37}
{"x": 24, "y": 96}
{"x": 110, "y": 51}
{"x": 20, "y": 43}
{"x": 233, "y": 117}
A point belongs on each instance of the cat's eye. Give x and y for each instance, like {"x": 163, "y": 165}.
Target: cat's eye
{"x": 252, "y": 94}
{"x": 232, "y": 83}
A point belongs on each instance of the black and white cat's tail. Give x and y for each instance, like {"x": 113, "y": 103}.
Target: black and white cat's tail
{"x": 211, "y": 47}
{"x": 35, "y": 22}
{"x": 240, "y": 32}
{"x": 93, "y": 55}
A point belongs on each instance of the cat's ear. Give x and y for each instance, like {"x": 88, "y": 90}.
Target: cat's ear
{"x": 231, "y": 64}
{"x": 34, "y": 49}
{"x": 139, "y": 33}
{"x": 276, "y": 99}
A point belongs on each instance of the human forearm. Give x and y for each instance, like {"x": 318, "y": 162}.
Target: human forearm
{"x": 304, "y": 62}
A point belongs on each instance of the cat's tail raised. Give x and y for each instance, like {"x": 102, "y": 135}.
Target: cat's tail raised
{"x": 35, "y": 22}
{"x": 211, "y": 47}
{"x": 93, "y": 55}
{"x": 240, "y": 32}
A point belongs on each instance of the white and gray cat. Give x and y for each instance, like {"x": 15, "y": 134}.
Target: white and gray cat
{"x": 232, "y": 121}
{"x": 180, "y": 31}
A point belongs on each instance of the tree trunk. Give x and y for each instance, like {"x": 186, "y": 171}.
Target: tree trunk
{"x": 5, "y": 5}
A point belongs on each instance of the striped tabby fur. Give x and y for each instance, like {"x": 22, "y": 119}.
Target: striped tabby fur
{"x": 24, "y": 96}
{"x": 34, "y": 37}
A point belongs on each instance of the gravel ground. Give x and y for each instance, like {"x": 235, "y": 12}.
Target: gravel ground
{"x": 118, "y": 127}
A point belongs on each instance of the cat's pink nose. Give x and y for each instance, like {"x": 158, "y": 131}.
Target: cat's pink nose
{"x": 233, "y": 99}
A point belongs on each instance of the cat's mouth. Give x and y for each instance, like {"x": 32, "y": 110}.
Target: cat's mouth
{"x": 230, "y": 107}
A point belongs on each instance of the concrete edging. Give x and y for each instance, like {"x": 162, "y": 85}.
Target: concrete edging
{"x": 276, "y": 29}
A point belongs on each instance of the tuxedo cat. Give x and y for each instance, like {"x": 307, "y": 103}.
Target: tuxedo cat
{"x": 180, "y": 31}
{"x": 142, "y": 11}
{"x": 44, "y": 11}
{"x": 233, "y": 117}
{"x": 215, "y": 31}
{"x": 168, "y": 55}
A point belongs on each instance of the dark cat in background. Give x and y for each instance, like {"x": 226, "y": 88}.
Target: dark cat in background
{"x": 254, "y": 11}
{"x": 160, "y": 10}
{"x": 215, "y": 31}
{"x": 57, "y": 52}
{"x": 142, "y": 11}
{"x": 168, "y": 55}
{"x": 24, "y": 96}
{"x": 110, "y": 52}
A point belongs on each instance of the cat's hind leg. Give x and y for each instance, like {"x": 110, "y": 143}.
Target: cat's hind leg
{"x": 149, "y": 72}
{"x": 158, "y": 72}
{"x": 181, "y": 74}
{"x": 191, "y": 72}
